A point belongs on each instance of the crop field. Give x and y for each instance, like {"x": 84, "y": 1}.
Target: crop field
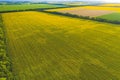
{"x": 103, "y": 8}
{"x": 113, "y": 17}
{"x": 111, "y": 5}
{"x": 91, "y": 11}
{"x": 26, "y": 6}
{"x": 107, "y": 13}
{"x": 87, "y": 12}
{"x": 44, "y": 46}
{"x": 74, "y": 3}
{"x": 90, "y": 8}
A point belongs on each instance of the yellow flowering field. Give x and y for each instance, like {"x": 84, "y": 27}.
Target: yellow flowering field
{"x": 44, "y": 46}
{"x": 102, "y": 8}
{"x": 113, "y": 5}
{"x": 89, "y": 8}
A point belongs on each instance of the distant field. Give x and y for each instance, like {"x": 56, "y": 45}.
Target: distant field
{"x": 49, "y": 47}
{"x": 112, "y": 5}
{"x": 92, "y": 11}
{"x": 103, "y": 8}
{"x": 26, "y": 6}
{"x": 90, "y": 8}
{"x": 112, "y": 17}
{"x": 86, "y": 12}
{"x": 78, "y": 3}
{"x": 75, "y": 3}
{"x": 108, "y": 13}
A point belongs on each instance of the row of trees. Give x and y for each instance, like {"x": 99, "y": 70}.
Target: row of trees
{"x": 37, "y": 9}
{"x": 85, "y": 17}
{"x": 5, "y": 62}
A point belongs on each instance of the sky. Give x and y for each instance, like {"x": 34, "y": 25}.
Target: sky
{"x": 117, "y": 1}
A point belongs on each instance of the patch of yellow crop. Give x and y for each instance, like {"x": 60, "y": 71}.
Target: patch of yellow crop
{"x": 62, "y": 9}
{"x": 102, "y": 8}
{"x": 42, "y": 40}
{"x": 50, "y": 47}
{"x": 89, "y": 8}
{"x": 43, "y": 19}
{"x": 110, "y": 5}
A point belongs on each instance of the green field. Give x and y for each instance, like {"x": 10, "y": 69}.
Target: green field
{"x": 49, "y": 47}
{"x": 26, "y": 6}
{"x": 112, "y": 17}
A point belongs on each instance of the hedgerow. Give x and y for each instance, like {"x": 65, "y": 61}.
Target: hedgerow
{"x": 5, "y": 62}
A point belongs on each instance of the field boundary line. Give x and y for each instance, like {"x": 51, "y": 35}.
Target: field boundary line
{"x": 83, "y": 17}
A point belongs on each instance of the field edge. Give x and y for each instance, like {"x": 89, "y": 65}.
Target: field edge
{"x": 6, "y": 64}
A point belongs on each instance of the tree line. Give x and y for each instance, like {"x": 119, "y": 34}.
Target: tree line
{"x": 5, "y": 62}
{"x": 36, "y": 9}
{"x": 85, "y": 17}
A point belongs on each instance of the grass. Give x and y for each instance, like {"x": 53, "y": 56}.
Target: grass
{"x": 26, "y": 6}
{"x": 49, "y": 47}
{"x": 112, "y": 17}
